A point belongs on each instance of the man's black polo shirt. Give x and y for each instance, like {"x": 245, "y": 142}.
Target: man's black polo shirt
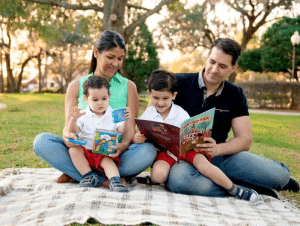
{"x": 231, "y": 103}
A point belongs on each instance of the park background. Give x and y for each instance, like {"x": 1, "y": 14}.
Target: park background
{"x": 45, "y": 44}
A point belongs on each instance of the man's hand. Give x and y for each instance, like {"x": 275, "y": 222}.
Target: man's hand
{"x": 209, "y": 147}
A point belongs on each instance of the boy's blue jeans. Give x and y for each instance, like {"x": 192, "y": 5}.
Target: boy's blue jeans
{"x": 243, "y": 168}
{"x": 52, "y": 149}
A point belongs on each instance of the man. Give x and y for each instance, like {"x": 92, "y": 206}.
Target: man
{"x": 198, "y": 92}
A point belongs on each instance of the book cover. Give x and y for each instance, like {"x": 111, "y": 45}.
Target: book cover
{"x": 118, "y": 115}
{"x": 174, "y": 140}
{"x": 103, "y": 140}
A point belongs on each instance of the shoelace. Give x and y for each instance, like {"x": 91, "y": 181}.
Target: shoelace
{"x": 118, "y": 184}
{"x": 90, "y": 180}
{"x": 244, "y": 193}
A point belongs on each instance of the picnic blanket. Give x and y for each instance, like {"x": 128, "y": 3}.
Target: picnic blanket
{"x": 32, "y": 197}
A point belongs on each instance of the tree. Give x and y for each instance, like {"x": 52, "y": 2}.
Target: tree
{"x": 275, "y": 52}
{"x": 141, "y": 57}
{"x": 199, "y": 25}
{"x": 186, "y": 29}
{"x": 68, "y": 60}
{"x": 12, "y": 16}
{"x": 254, "y": 14}
{"x": 251, "y": 60}
{"x": 277, "y": 39}
{"x": 113, "y": 12}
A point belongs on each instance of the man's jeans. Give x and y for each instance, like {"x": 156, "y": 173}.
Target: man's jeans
{"x": 243, "y": 168}
{"x": 52, "y": 149}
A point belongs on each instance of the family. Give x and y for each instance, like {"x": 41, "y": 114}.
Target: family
{"x": 218, "y": 167}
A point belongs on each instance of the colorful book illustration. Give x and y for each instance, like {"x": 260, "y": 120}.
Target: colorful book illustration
{"x": 174, "y": 140}
{"x": 103, "y": 140}
{"x": 118, "y": 115}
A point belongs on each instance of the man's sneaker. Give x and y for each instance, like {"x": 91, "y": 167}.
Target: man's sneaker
{"x": 116, "y": 184}
{"x": 90, "y": 180}
{"x": 246, "y": 194}
{"x": 292, "y": 185}
{"x": 267, "y": 191}
{"x": 142, "y": 180}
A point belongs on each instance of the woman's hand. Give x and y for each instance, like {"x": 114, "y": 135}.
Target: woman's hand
{"x": 66, "y": 136}
{"x": 209, "y": 147}
{"x": 139, "y": 138}
{"x": 127, "y": 113}
{"x": 119, "y": 149}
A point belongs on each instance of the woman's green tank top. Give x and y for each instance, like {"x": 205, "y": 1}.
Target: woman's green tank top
{"x": 117, "y": 88}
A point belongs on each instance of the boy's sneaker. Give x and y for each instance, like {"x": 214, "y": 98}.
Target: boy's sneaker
{"x": 292, "y": 185}
{"x": 90, "y": 180}
{"x": 116, "y": 184}
{"x": 246, "y": 194}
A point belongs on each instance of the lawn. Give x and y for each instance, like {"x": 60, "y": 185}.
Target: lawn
{"x": 26, "y": 115}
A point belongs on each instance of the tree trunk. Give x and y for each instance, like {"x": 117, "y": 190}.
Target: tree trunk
{"x": 231, "y": 77}
{"x": 39, "y": 59}
{"x": 1, "y": 74}
{"x": 61, "y": 73}
{"x": 114, "y": 11}
{"x": 11, "y": 84}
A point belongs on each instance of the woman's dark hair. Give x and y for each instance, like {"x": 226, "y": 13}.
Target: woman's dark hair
{"x": 229, "y": 47}
{"x": 161, "y": 80}
{"x": 95, "y": 82}
{"x": 107, "y": 40}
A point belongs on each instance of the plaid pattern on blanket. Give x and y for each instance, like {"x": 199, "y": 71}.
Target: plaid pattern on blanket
{"x": 31, "y": 197}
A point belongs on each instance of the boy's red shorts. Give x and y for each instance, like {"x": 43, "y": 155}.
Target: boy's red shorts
{"x": 94, "y": 159}
{"x": 165, "y": 157}
{"x": 188, "y": 157}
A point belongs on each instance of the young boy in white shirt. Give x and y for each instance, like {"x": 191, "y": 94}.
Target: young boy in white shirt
{"x": 162, "y": 86}
{"x": 98, "y": 115}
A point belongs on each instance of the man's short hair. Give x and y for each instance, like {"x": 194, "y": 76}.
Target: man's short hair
{"x": 229, "y": 47}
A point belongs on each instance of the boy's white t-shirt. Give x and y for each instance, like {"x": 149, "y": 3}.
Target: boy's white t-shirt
{"x": 89, "y": 122}
{"x": 176, "y": 117}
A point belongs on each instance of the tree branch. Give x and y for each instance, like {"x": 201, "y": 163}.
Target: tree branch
{"x": 130, "y": 29}
{"x": 69, "y": 6}
{"x": 136, "y": 6}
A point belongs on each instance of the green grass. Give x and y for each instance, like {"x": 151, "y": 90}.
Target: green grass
{"x": 26, "y": 115}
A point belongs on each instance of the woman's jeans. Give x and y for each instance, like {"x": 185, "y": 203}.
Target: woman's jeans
{"x": 243, "y": 168}
{"x": 52, "y": 149}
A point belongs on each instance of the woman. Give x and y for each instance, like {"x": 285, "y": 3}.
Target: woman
{"x": 107, "y": 59}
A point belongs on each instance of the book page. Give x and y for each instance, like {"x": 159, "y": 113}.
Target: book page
{"x": 194, "y": 129}
{"x": 164, "y": 136}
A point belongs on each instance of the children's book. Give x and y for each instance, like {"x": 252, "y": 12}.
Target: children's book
{"x": 174, "y": 140}
{"x": 103, "y": 140}
{"x": 118, "y": 115}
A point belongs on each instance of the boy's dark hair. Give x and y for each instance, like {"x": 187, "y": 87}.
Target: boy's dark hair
{"x": 95, "y": 82}
{"x": 229, "y": 47}
{"x": 161, "y": 80}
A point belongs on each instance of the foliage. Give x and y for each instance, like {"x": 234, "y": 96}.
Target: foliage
{"x": 277, "y": 47}
{"x": 251, "y": 60}
{"x": 275, "y": 52}
{"x": 141, "y": 57}
{"x": 188, "y": 28}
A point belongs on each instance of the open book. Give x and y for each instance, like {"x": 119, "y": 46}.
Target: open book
{"x": 174, "y": 140}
